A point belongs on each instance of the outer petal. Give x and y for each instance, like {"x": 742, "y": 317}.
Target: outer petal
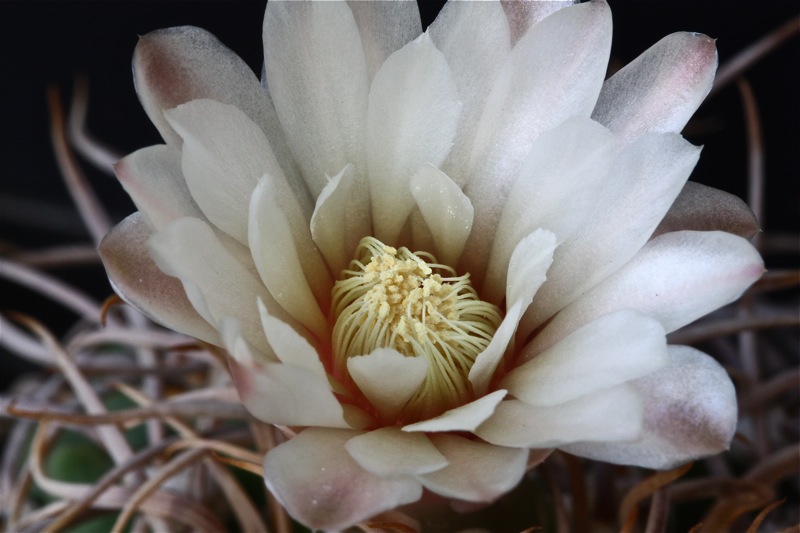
{"x": 703, "y": 208}
{"x": 676, "y": 278}
{"x": 611, "y": 350}
{"x": 661, "y": 89}
{"x": 279, "y": 393}
{"x": 446, "y": 210}
{"x": 412, "y": 119}
{"x": 542, "y": 84}
{"x": 391, "y": 452}
{"x": 152, "y": 177}
{"x": 320, "y": 484}
{"x": 384, "y": 27}
{"x": 387, "y": 378}
{"x": 608, "y": 415}
{"x": 136, "y": 278}
{"x": 648, "y": 175}
{"x": 522, "y": 14}
{"x": 477, "y": 471}
{"x": 317, "y": 76}
{"x": 690, "y": 412}
{"x": 526, "y": 273}
{"x": 474, "y": 38}
{"x": 215, "y": 282}
{"x": 464, "y": 418}
{"x": 286, "y": 258}
{"x": 224, "y": 155}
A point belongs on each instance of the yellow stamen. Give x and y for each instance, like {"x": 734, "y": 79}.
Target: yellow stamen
{"x": 390, "y": 298}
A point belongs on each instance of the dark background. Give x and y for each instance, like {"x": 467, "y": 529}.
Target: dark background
{"x": 49, "y": 42}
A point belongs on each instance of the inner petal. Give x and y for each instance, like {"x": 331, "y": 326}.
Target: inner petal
{"x": 393, "y": 298}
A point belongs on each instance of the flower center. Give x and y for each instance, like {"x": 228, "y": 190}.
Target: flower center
{"x": 390, "y": 298}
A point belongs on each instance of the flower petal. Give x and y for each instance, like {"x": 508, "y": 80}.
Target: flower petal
{"x": 215, "y": 282}
{"x": 474, "y": 38}
{"x": 613, "y": 349}
{"x": 412, "y": 119}
{"x": 466, "y": 417}
{"x": 689, "y": 412}
{"x": 526, "y": 272}
{"x": 279, "y": 393}
{"x": 322, "y": 486}
{"x": 287, "y": 259}
{"x": 477, "y": 472}
{"x": 446, "y": 210}
{"x": 703, "y": 208}
{"x": 389, "y": 452}
{"x": 648, "y": 175}
{"x": 387, "y": 378}
{"x": 341, "y": 218}
{"x": 522, "y": 14}
{"x": 152, "y": 177}
{"x": 317, "y": 76}
{"x": 608, "y": 415}
{"x": 542, "y": 84}
{"x": 224, "y": 155}
{"x": 555, "y": 193}
{"x": 676, "y": 278}
{"x": 136, "y": 278}
{"x": 661, "y": 89}
{"x": 384, "y": 27}
{"x": 289, "y": 345}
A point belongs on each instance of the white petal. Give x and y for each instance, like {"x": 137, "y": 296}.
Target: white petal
{"x": 446, "y": 211}
{"x": 412, "y": 118}
{"x": 152, "y": 177}
{"x": 477, "y": 471}
{"x": 608, "y": 415}
{"x": 647, "y": 176}
{"x": 555, "y": 193}
{"x": 390, "y": 452}
{"x": 136, "y": 278}
{"x": 286, "y": 258}
{"x": 341, "y": 218}
{"x": 317, "y": 76}
{"x": 526, "y": 273}
{"x": 224, "y": 155}
{"x": 463, "y": 418}
{"x": 690, "y": 412}
{"x": 676, "y": 278}
{"x": 702, "y": 208}
{"x": 320, "y": 485}
{"x": 279, "y": 393}
{"x": 474, "y": 38}
{"x": 387, "y": 378}
{"x": 542, "y": 84}
{"x": 289, "y": 345}
{"x": 611, "y": 350}
{"x": 215, "y": 282}
{"x": 384, "y": 27}
{"x": 661, "y": 89}
{"x": 522, "y": 14}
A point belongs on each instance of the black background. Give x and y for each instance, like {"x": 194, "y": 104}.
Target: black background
{"x": 47, "y": 43}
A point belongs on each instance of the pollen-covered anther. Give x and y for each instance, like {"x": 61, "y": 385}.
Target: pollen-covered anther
{"x": 393, "y": 298}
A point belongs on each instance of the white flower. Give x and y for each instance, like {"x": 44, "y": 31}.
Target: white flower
{"x": 533, "y": 314}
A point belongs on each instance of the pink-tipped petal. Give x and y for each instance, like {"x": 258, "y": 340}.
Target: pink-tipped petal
{"x": 613, "y": 349}
{"x": 477, "y": 472}
{"x": 676, "y": 279}
{"x": 153, "y": 178}
{"x": 136, "y": 278}
{"x": 702, "y": 208}
{"x": 323, "y": 487}
{"x": 613, "y": 414}
{"x": 466, "y": 417}
{"x": 689, "y": 412}
{"x": 412, "y": 118}
{"x": 522, "y": 14}
{"x": 661, "y": 89}
{"x": 388, "y": 451}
